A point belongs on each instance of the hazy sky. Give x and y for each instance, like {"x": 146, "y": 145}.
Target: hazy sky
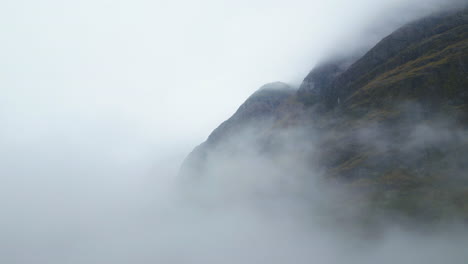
{"x": 172, "y": 70}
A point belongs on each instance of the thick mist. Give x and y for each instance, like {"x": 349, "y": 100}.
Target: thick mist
{"x": 68, "y": 204}
{"x": 101, "y": 101}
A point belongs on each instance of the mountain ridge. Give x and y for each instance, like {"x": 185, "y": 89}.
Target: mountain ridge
{"x": 393, "y": 123}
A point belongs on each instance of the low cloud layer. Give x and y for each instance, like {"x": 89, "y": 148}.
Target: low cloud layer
{"x": 102, "y": 101}
{"x": 100, "y": 207}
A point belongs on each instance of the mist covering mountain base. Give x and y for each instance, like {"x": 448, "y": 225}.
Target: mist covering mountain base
{"x": 382, "y": 138}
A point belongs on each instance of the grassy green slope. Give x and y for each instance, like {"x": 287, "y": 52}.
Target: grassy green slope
{"x": 372, "y": 146}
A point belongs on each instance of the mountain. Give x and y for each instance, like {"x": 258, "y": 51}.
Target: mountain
{"x": 392, "y": 124}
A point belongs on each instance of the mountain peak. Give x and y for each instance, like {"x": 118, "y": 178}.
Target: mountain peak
{"x": 275, "y": 86}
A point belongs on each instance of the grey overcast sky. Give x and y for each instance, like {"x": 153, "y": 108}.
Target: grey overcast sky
{"x": 171, "y": 70}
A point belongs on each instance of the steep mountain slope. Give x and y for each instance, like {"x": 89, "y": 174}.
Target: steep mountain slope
{"x": 256, "y": 113}
{"x": 435, "y": 45}
{"x": 402, "y": 111}
{"x": 392, "y": 124}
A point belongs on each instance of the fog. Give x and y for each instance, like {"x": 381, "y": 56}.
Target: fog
{"x": 102, "y": 100}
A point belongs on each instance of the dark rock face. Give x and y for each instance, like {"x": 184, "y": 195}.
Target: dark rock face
{"x": 315, "y": 85}
{"x": 393, "y": 123}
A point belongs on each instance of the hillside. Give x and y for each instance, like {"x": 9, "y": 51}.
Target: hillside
{"x": 392, "y": 124}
